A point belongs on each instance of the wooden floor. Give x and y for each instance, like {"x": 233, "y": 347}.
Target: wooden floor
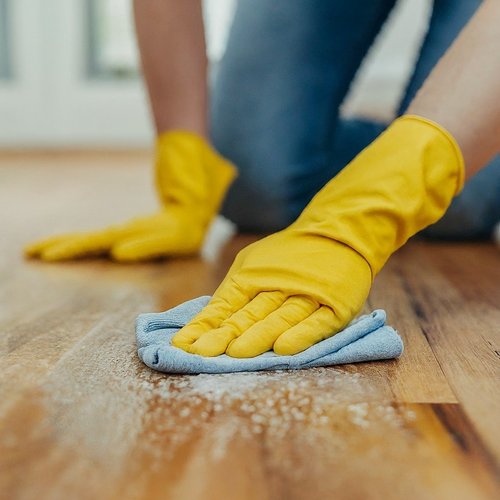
{"x": 81, "y": 417}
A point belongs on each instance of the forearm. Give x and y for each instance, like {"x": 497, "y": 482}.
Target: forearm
{"x": 463, "y": 91}
{"x": 172, "y": 45}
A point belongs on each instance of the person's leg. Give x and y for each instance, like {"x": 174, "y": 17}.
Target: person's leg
{"x": 288, "y": 67}
{"x": 475, "y": 211}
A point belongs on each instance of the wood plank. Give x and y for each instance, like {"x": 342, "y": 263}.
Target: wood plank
{"x": 456, "y": 294}
{"x": 417, "y": 376}
{"x": 81, "y": 417}
{"x": 284, "y": 437}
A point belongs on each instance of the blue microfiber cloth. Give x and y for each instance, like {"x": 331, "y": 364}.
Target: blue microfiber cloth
{"x": 365, "y": 339}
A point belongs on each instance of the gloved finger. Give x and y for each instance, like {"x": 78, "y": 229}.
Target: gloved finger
{"x": 260, "y": 337}
{"x": 82, "y": 245}
{"x": 320, "y": 325}
{"x": 150, "y": 246}
{"x": 215, "y": 342}
{"x": 36, "y": 248}
{"x": 226, "y": 300}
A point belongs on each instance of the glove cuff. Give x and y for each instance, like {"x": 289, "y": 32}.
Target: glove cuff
{"x": 190, "y": 173}
{"x": 402, "y": 182}
{"x": 453, "y": 143}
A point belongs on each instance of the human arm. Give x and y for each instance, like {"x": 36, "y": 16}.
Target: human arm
{"x": 171, "y": 41}
{"x": 191, "y": 177}
{"x": 462, "y": 93}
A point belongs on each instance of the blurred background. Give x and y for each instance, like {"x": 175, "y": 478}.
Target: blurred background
{"x": 69, "y": 72}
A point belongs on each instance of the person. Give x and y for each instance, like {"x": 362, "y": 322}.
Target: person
{"x": 342, "y": 195}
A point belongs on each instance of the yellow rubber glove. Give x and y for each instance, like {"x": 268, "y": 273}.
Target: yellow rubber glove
{"x": 305, "y": 283}
{"x": 191, "y": 179}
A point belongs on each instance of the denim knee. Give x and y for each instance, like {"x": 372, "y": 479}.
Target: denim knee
{"x": 257, "y": 202}
{"x": 269, "y": 197}
{"x": 475, "y": 211}
{"x": 277, "y": 179}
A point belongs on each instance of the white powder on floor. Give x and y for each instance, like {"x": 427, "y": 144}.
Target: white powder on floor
{"x": 156, "y": 414}
{"x": 268, "y": 405}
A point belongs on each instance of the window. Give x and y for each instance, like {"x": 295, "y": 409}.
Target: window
{"x": 111, "y": 43}
{"x": 69, "y": 70}
{"x": 56, "y": 98}
{"x": 111, "y": 48}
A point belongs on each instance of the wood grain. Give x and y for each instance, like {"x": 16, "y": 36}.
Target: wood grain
{"x": 81, "y": 417}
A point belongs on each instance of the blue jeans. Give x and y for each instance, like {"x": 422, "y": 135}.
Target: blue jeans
{"x": 276, "y": 100}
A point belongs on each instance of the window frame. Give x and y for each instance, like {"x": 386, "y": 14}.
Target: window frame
{"x": 5, "y": 68}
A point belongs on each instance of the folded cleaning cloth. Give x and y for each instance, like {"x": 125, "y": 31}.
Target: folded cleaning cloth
{"x": 364, "y": 339}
